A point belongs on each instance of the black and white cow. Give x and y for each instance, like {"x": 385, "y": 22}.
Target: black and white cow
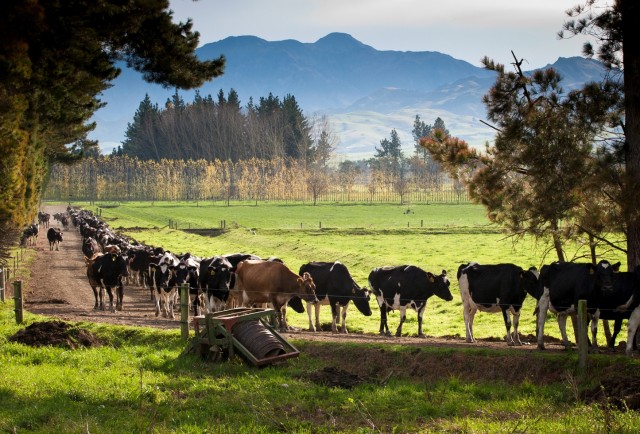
{"x": 187, "y": 272}
{"x": 335, "y": 287}
{"x": 215, "y": 282}
{"x": 406, "y": 286}
{"x": 30, "y": 236}
{"x": 54, "y": 235}
{"x": 108, "y": 271}
{"x": 163, "y": 284}
{"x": 562, "y": 284}
{"x": 495, "y": 288}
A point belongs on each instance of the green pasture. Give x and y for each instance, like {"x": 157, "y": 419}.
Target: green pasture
{"x": 362, "y": 236}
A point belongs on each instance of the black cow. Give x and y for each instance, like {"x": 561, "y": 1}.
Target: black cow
{"x": 139, "y": 260}
{"x": 215, "y": 282}
{"x": 406, "y": 286}
{"x": 562, "y": 284}
{"x": 54, "y": 235}
{"x": 335, "y": 287}
{"x": 618, "y": 305}
{"x": 495, "y": 288}
{"x": 109, "y": 271}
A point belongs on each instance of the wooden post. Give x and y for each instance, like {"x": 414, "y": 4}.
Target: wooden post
{"x": 2, "y": 284}
{"x": 582, "y": 338}
{"x": 184, "y": 311}
{"x": 17, "y": 298}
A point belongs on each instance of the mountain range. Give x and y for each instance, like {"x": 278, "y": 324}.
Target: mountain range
{"x": 364, "y": 92}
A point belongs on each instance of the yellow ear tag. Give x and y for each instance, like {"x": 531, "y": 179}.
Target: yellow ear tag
{"x": 591, "y": 271}
{"x": 431, "y": 279}
{"x": 353, "y": 290}
{"x": 212, "y": 272}
{"x": 113, "y": 258}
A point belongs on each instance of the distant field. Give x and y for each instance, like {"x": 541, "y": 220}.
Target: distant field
{"x": 364, "y": 236}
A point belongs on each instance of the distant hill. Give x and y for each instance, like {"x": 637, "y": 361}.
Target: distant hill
{"x": 365, "y": 92}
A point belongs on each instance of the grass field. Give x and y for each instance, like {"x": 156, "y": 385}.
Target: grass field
{"x": 362, "y": 236}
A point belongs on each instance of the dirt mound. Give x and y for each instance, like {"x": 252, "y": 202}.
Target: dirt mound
{"x": 335, "y": 377}
{"x": 622, "y": 392}
{"x": 55, "y": 333}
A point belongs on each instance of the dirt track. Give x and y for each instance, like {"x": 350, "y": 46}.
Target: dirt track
{"x": 58, "y": 287}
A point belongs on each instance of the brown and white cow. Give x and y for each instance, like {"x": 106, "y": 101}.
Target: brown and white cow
{"x": 272, "y": 282}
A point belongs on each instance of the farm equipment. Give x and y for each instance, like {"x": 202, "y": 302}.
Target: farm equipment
{"x": 249, "y": 332}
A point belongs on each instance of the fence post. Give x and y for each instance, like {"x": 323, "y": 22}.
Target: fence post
{"x": 2, "y": 277}
{"x": 17, "y": 298}
{"x": 184, "y": 311}
{"x": 582, "y": 338}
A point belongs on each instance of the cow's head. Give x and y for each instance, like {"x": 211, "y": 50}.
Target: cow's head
{"x": 361, "y": 297}
{"x": 219, "y": 274}
{"x": 604, "y": 272}
{"x": 440, "y": 285}
{"x": 530, "y": 281}
{"x": 307, "y": 289}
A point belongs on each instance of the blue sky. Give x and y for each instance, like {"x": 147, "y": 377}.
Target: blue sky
{"x": 464, "y": 29}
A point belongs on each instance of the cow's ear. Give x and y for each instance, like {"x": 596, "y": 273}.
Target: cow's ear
{"x": 616, "y": 267}
{"x": 212, "y": 272}
{"x": 431, "y": 277}
{"x": 444, "y": 272}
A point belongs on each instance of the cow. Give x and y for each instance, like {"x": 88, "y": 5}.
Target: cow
{"x": 139, "y": 260}
{"x": 617, "y": 305}
{"x": 164, "y": 284}
{"x": 215, "y": 282}
{"x": 43, "y": 219}
{"x": 562, "y": 284}
{"x": 30, "y": 236}
{"x": 96, "y": 285}
{"x": 495, "y": 288}
{"x": 109, "y": 270}
{"x": 272, "y": 282}
{"x": 400, "y": 287}
{"x": 335, "y": 287}
{"x": 90, "y": 247}
{"x": 187, "y": 272}
{"x": 54, "y": 235}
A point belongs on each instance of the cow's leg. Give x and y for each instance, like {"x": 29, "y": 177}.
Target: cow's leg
{"x": 110, "y": 293}
{"x": 335, "y": 314}
{"x": 617, "y": 325}
{"x": 157, "y": 301}
{"x": 420, "y": 315}
{"x": 310, "y": 315}
{"x": 607, "y": 332}
{"x": 469, "y": 314}
{"x": 343, "y": 329}
{"x": 516, "y": 323}
{"x": 562, "y": 324}
{"x": 119, "y": 296}
{"x": 101, "y": 296}
{"x": 594, "y": 330}
{"x": 543, "y": 306}
{"x": 507, "y": 325}
{"x": 96, "y": 296}
{"x": 632, "y": 327}
{"x": 403, "y": 318}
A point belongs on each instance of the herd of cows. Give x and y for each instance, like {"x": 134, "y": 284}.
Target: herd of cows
{"x": 224, "y": 281}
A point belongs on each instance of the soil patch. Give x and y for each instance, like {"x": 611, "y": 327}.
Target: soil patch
{"x": 623, "y": 392}
{"x": 55, "y": 333}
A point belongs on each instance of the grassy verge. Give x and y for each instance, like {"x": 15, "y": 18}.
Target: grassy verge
{"x": 138, "y": 380}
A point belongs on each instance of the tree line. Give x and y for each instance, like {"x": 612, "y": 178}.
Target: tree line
{"x": 118, "y": 178}
{"x": 221, "y": 129}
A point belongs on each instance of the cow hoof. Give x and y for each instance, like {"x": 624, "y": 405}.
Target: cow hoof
{"x": 157, "y": 313}
{"x": 95, "y": 306}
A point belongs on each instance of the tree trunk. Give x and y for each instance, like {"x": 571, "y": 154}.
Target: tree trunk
{"x": 557, "y": 244}
{"x": 631, "y": 57}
